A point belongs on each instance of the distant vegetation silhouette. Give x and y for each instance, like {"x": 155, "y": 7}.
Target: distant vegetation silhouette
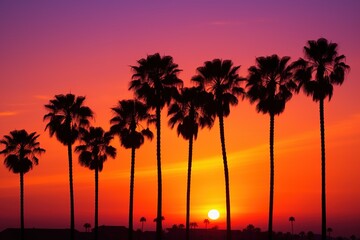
{"x": 126, "y": 124}
{"x": 155, "y": 82}
{"x": 221, "y": 79}
{"x": 322, "y": 68}
{"x": 21, "y": 151}
{"x": 190, "y": 110}
{"x": 270, "y": 84}
{"x": 67, "y": 116}
{"x": 94, "y": 151}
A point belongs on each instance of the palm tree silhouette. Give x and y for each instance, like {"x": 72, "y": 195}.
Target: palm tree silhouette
{"x": 206, "y": 222}
{"x": 189, "y": 111}
{"x": 128, "y": 114}
{"x": 155, "y": 81}
{"x": 292, "y": 220}
{"x": 142, "y": 220}
{"x": 94, "y": 152}
{"x": 322, "y": 68}
{"x": 87, "y": 226}
{"x": 329, "y": 230}
{"x": 270, "y": 85}
{"x": 67, "y": 115}
{"x": 21, "y": 150}
{"x": 220, "y": 78}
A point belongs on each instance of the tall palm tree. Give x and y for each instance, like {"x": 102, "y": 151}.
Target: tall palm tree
{"x": 94, "y": 152}
{"x": 189, "y": 111}
{"x": 67, "y": 115}
{"x": 128, "y": 115}
{"x": 142, "y": 220}
{"x": 270, "y": 85}
{"x": 220, "y": 78}
{"x": 322, "y": 68}
{"x": 21, "y": 150}
{"x": 155, "y": 81}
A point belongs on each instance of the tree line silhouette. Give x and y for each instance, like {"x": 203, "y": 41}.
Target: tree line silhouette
{"x": 270, "y": 84}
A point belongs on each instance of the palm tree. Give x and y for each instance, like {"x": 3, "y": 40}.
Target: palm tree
{"x": 193, "y": 225}
{"x": 292, "y": 220}
{"x": 189, "y": 111}
{"x": 155, "y": 81}
{"x": 322, "y": 68}
{"x": 142, "y": 220}
{"x": 220, "y": 78}
{"x": 67, "y": 114}
{"x": 270, "y": 85}
{"x": 206, "y": 222}
{"x": 329, "y": 230}
{"x": 87, "y": 226}
{"x": 128, "y": 114}
{"x": 21, "y": 150}
{"x": 94, "y": 152}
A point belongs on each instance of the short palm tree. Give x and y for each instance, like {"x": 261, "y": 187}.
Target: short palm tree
{"x": 220, "y": 78}
{"x": 21, "y": 150}
{"x": 206, "y": 222}
{"x": 155, "y": 81}
{"x": 142, "y": 220}
{"x": 67, "y": 115}
{"x": 189, "y": 111}
{"x": 94, "y": 151}
{"x": 126, "y": 124}
{"x": 322, "y": 68}
{"x": 292, "y": 220}
{"x": 270, "y": 84}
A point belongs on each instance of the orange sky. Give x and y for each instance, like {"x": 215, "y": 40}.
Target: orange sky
{"x": 49, "y": 48}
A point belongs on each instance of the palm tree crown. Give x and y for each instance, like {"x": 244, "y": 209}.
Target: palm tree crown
{"x": 125, "y": 123}
{"x": 95, "y": 148}
{"x": 155, "y": 80}
{"x": 191, "y": 110}
{"x": 220, "y": 78}
{"x": 21, "y": 150}
{"x": 270, "y": 83}
{"x": 322, "y": 67}
{"x": 66, "y": 116}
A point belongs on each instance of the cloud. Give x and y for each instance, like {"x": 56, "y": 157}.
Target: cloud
{"x": 8, "y": 113}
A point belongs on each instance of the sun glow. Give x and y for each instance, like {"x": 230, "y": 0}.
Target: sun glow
{"x": 213, "y": 214}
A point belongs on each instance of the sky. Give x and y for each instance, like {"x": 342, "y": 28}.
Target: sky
{"x": 87, "y": 47}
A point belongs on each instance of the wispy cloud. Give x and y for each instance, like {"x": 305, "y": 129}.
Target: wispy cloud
{"x": 8, "y": 113}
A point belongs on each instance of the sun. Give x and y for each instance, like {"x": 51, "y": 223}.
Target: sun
{"x": 213, "y": 214}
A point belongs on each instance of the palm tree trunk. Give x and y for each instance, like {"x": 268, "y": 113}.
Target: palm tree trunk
{"x": 158, "y": 157}
{"x": 72, "y": 218}
{"x": 131, "y": 202}
{"x": 188, "y": 189}
{"x": 22, "y": 228}
{"x": 226, "y": 172}
{"x": 323, "y": 193}
{"x": 271, "y": 204}
{"x": 96, "y": 232}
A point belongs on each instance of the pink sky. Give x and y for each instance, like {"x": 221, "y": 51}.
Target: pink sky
{"x": 86, "y": 47}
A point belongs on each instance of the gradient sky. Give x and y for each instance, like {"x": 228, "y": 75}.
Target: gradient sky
{"x": 86, "y": 48}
